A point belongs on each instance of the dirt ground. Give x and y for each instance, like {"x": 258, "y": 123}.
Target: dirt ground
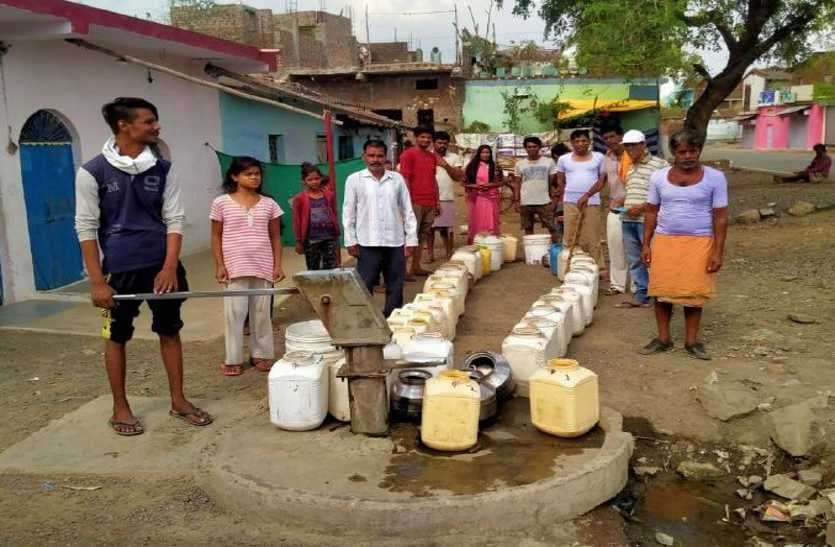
{"x": 772, "y": 269}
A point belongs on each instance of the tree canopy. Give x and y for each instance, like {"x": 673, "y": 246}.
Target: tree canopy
{"x": 635, "y": 38}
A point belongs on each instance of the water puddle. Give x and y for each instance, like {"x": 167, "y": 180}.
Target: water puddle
{"x": 510, "y": 452}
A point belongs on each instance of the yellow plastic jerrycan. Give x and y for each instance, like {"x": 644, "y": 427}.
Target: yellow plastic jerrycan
{"x": 451, "y": 406}
{"x": 565, "y": 399}
{"x": 486, "y": 258}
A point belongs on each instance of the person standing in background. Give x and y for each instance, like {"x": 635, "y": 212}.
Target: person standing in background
{"x": 685, "y": 228}
{"x": 644, "y": 165}
{"x": 379, "y": 225}
{"x": 483, "y": 182}
{"x": 418, "y": 165}
{"x": 447, "y": 173}
{"x": 615, "y": 157}
{"x": 315, "y": 222}
{"x": 580, "y": 177}
{"x": 534, "y": 189}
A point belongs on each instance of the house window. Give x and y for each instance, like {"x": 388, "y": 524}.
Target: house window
{"x": 396, "y": 115}
{"x": 346, "y": 147}
{"x": 276, "y": 143}
{"x": 427, "y": 83}
{"x": 426, "y": 118}
{"x": 321, "y": 149}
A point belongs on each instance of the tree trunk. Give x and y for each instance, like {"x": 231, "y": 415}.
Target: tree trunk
{"x": 717, "y": 89}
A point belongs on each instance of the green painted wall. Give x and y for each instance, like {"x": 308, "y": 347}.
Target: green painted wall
{"x": 483, "y": 100}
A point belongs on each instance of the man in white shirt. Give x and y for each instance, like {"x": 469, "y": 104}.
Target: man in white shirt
{"x": 533, "y": 192}
{"x": 447, "y": 173}
{"x": 580, "y": 177}
{"x": 380, "y": 225}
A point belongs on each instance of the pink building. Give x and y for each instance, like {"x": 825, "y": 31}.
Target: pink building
{"x": 789, "y": 126}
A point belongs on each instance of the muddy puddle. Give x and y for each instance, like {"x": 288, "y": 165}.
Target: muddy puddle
{"x": 510, "y": 452}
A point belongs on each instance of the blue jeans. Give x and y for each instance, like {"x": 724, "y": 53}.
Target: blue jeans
{"x": 633, "y": 237}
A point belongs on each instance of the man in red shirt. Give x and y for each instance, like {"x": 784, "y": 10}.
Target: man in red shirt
{"x": 818, "y": 170}
{"x": 417, "y": 165}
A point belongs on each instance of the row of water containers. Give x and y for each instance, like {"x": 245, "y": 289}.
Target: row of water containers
{"x": 303, "y": 384}
{"x": 546, "y": 330}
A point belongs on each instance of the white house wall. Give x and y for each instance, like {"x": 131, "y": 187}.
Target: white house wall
{"x": 75, "y": 83}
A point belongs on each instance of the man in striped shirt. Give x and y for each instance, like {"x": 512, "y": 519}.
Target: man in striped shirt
{"x": 643, "y": 166}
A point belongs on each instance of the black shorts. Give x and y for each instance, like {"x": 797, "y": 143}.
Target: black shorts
{"x": 166, "y": 313}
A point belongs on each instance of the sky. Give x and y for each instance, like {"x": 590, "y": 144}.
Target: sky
{"x": 385, "y": 16}
{"x": 405, "y": 17}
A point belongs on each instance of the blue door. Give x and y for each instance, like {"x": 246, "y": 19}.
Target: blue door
{"x": 46, "y": 159}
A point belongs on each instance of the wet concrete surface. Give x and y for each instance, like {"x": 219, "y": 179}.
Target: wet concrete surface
{"x": 510, "y": 452}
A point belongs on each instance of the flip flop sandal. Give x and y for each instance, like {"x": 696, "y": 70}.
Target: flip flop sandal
{"x": 231, "y": 370}
{"x": 264, "y": 365}
{"x": 203, "y": 417}
{"x": 612, "y": 291}
{"x": 656, "y": 346}
{"x": 629, "y": 304}
{"x": 698, "y": 351}
{"x": 135, "y": 428}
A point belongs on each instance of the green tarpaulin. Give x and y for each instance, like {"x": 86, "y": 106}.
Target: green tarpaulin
{"x": 283, "y": 181}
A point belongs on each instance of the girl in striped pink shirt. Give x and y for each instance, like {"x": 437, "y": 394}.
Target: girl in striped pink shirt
{"x": 246, "y": 242}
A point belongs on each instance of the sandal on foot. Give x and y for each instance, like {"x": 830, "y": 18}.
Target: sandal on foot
{"x": 611, "y": 291}
{"x": 656, "y": 346}
{"x": 628, "y": 304}
{"x": 196, "y": 416}
{"x": 698, "y": 351}
{"x": 264, "y": 365}
{"x": 231, "y": 370}
{"x": 126, "y": 429}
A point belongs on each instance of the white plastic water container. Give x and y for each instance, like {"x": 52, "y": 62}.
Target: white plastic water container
{"x": 440, "y": 313}
{"x": 457, "y": 277}
{"x": 536, "y": 247}
{"x": 556, "y": 319}
{"x": 496, "y": 250}
{"x": 338, "y": 400}
{"x": 525, "y": 349}
{"x": 420, "y": 316}
{"x": 429, "y": 348}
{"x": 566, "y": 310}
{"x": 402, "y": 335}
{"x": 511, "y": 244}
{"x": 552, "y": 330}
{"x": 298, "y": 391}
{"x": 585, "y": 264}
{"x": 562, "y": 263}
{"x": 578, "y": 316}
{"x": 586, "y": 298}
{"x": 308, "y": 336}
{"x": 471, "y": 260}
{"x": 458, "y": 294}
{"x": 447, "y": 299}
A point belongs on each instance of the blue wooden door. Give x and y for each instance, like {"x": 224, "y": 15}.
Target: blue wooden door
{"x": 49, "y": 191}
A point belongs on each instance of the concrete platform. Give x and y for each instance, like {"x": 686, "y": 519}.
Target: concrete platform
{"x": 516, "y": 478}
{"x": 82, "y": 442}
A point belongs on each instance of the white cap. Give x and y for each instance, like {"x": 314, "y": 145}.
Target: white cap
{"x": 633, "y": 136}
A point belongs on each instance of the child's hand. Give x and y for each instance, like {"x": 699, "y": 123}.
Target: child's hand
{"x": 278, "y": 274}
{"x": 299, "y": 248}
{"x": 222, "y": 275}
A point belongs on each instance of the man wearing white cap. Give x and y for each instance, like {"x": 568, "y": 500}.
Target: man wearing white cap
{"x": 643, "y": 166}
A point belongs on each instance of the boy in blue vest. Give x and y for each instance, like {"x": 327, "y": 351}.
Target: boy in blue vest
{"x": 128, "y": 204}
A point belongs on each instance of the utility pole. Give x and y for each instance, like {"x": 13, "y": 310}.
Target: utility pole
{"x": 395, "y": 34}
{"x": 367, "y": 31}
{"x": 457, "y": 52}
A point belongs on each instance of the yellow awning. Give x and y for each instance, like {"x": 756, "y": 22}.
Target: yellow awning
{"x": 578, "y": 107}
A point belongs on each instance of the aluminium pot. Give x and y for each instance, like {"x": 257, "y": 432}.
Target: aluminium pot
{"x": 489, "y": 406}
{"x": 406, "y": 395}
{"x": 496, "y": 371}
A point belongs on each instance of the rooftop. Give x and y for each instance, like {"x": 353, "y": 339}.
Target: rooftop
{"x": 372, "y": 69}
{"x": 59, "y": 19}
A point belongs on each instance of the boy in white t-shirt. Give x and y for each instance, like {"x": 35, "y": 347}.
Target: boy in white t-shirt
{"x": 580, "y": 176}
{"x": 448, "y": 172}
{"x": 534, "y": 195}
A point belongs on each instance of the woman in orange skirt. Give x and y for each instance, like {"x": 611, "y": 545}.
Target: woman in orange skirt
{"x": 684, "y": 241}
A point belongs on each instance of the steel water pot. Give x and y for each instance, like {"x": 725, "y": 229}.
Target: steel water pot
{"x": 496, "y": 371}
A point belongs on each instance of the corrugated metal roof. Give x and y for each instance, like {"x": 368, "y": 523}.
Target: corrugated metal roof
{"x": 793, "y": 109}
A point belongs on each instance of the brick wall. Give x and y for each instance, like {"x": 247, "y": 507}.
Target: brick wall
{"x": 231, "y": 22}
{"x": 397, "y": 92}
{"x": 390, "y": 52}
